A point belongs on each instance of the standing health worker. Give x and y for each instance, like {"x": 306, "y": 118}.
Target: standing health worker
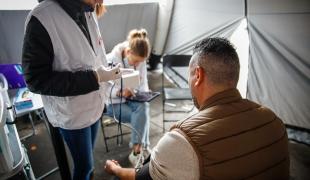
{"x": 64, "y": 60}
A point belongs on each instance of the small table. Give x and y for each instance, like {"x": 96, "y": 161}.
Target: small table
{"x": 37, "y": 104}
{"x": 37, "y": 107}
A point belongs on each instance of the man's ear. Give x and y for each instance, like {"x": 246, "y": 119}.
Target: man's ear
{"x": 199, "y": 75}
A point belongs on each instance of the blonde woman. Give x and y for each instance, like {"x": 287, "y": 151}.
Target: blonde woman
{"x": 133, "y": 53}
{"x": 64, "y": 60}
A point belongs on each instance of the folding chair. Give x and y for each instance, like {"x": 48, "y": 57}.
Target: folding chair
{"x": 175, "y": 69}
{"x": 107, "y": 121}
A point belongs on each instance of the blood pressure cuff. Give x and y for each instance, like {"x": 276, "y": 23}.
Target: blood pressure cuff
{"x": 144, "y": 173}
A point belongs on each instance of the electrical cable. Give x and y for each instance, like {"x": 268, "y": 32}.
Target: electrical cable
{"x": 120, "y": 115}
{"x": 140, "y": 158}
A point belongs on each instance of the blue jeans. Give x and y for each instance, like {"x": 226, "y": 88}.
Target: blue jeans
{"x": 81, "y": 144}
{"x": 137, "y": 114}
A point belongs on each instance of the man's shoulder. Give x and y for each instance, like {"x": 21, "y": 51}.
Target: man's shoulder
{"x": 172, "y": 137}
{"x": 174, "y": 158}
{"x": 259, "y": 109}
{"x": 179, "y": 123}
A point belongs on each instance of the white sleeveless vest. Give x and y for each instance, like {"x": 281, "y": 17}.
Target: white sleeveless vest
{"x": 72, "y": 52}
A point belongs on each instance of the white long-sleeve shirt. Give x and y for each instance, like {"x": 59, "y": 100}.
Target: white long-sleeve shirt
{"x": 115, "y": 57}
{"x": 173, "y": 158}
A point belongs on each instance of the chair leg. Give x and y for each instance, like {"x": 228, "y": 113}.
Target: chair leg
{"x": 164, "y": 116}
{"x": 104, "y": 136}
{"x": 32, "y": 126}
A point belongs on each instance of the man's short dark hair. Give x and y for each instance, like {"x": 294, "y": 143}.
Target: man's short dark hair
{"x": 219, "y": 59}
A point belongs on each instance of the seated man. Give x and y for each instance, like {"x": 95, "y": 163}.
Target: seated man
{"x": 229, "y": 138}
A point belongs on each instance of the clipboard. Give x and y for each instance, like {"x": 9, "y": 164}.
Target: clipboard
{"x": 143, "y": 96}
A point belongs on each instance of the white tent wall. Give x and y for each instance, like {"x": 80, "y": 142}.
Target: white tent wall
{"x": 12, "y": 35}
{"x": 197, "y": 19}
{"x": 240, "y": 39}
{"x": 120, "y": 19}
{"x": 279, "y": 64}
{"x": 17, "y": 4}
{"x": 163, "y": 20}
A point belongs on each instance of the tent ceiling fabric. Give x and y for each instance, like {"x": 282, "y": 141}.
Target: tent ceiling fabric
{"x": 194, "y": 20}
{"x": 120, "y": 19}
{"x": 279, "y": 65}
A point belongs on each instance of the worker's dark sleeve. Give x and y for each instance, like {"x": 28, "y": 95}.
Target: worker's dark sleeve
{"x": 37, "y": 63}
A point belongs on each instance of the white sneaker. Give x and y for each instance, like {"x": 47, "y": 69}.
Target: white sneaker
{"x": 135, "y": 159}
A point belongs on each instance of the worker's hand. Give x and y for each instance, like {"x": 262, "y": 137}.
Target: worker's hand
{"x": 126, "y": 93}
{"x": 106, "y": 74}
{"x": 111, "y": 166}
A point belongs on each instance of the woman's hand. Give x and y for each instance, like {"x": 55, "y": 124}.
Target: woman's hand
{"x": 104, "y": 74}
{"x": 126, "y": 93}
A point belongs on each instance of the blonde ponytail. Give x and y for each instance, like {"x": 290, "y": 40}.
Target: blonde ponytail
{"x": 143, "y": 33}
{"x": 135, "y": 33}
{"x": 139, "y": 42}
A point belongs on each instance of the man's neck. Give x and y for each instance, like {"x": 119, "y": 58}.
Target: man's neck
{"x": 210, "y": 91}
